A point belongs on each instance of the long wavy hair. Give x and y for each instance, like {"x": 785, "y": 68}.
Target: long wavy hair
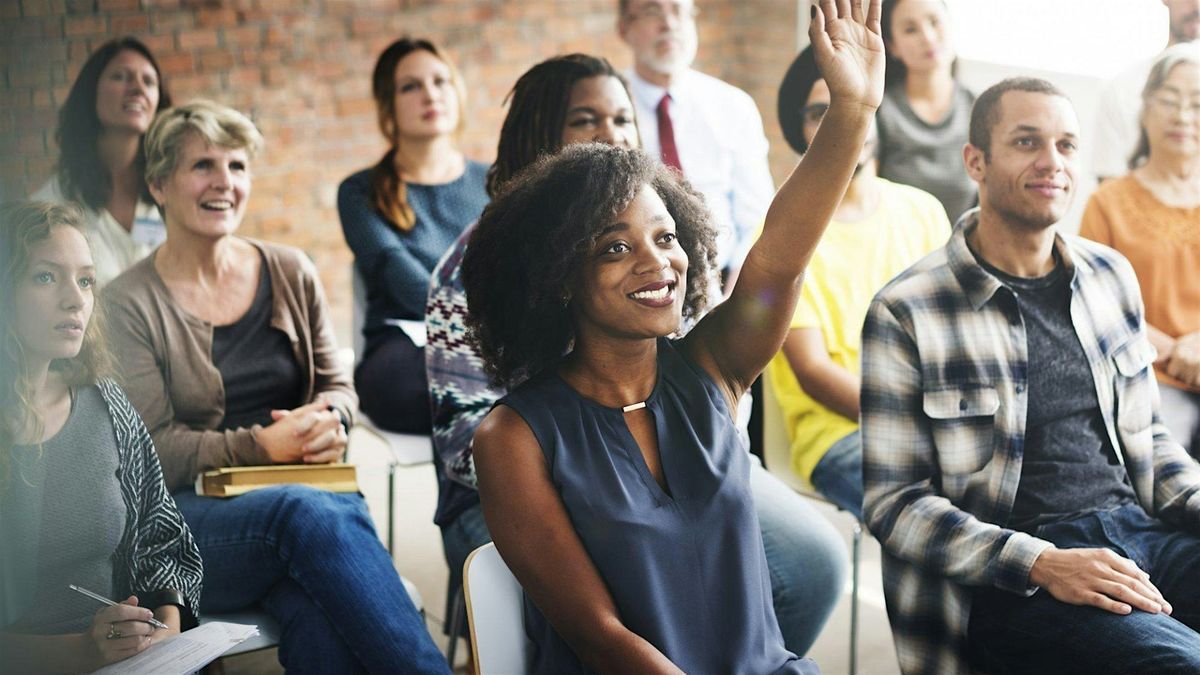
{"x": 22, "y": 226}
{"x": 537, "y": 111}
{"x": 81, "y": 174}
{"x": 387, "y": 187}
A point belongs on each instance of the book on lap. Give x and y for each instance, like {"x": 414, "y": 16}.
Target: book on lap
{"x": 237, "y": 480}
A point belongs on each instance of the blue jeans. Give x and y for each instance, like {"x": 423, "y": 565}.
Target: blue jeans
{"x": 314, "y": 562}
{"x": 1009, "y": 633}
{"x": 838, "y": 476}
{"x": 805, "y": 555}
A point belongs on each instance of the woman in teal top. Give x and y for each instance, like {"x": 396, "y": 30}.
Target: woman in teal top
{"x": 613, "y": 482}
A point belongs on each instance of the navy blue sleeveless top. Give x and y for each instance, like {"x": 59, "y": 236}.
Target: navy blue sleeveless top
{"x": 687, "y": 569}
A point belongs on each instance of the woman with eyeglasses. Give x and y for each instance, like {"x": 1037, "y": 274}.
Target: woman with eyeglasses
{"x": 1152, "y": 216}
{"x": 926, "y": 111}
{"x": 877, "y": 231}
{"x": 110, "y": 106}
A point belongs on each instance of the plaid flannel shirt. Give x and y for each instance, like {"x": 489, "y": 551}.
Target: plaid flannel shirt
{"x": 944, "y": 398}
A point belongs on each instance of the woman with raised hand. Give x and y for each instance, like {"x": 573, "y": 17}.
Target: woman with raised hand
{"x": 227, "y": 351}
{"x": 1152, "y": 216}
{"x": 613, "y": 480}
{"x": 400, "y": 216}
{"x": 565, "y": 100}
{"x": 110, "y": 106}
{"x": 925, "y": 112}
{"x": 82, "y": 499}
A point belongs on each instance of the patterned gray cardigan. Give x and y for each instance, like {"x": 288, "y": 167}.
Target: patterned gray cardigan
{"x": 157, "y": 551}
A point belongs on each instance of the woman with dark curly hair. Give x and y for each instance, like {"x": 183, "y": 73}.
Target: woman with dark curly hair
{"x": 613, "y": 480}
{"x": 101, "y": 162}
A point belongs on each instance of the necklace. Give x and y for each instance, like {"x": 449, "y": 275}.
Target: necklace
{"x": 633, "y": 406}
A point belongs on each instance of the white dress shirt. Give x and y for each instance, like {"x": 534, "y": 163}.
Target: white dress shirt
{"x": 722, "y": 149}
{"x": 114, "y": 249}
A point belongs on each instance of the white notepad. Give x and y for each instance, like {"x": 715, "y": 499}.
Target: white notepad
{"x": 185, "y": 653}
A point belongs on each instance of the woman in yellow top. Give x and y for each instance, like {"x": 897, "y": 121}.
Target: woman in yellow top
{"x": 1152, "y": 216}
{"x": 878, "y": 230}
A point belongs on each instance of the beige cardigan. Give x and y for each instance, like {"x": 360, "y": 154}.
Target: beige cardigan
{"x": 164, "y": 358}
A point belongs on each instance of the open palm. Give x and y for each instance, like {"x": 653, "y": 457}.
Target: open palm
{"x": 848, "y": 46}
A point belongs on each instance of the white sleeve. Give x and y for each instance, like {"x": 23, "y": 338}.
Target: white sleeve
{"x": 753, "y": 187}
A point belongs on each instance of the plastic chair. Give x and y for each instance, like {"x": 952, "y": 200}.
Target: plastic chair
{"x": 494, "y": 614}
{"x": 777, "y": 458}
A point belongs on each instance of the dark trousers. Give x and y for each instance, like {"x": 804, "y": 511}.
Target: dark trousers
{"x": 391, "y": 385}
{"x": 1009, "y": 633}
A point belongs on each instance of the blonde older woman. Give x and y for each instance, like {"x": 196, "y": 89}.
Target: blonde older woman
{"x": 1152, "y": 216}
{"x": 228, "y": 353}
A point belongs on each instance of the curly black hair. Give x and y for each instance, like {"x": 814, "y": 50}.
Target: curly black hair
{"x": 531, "y": 241}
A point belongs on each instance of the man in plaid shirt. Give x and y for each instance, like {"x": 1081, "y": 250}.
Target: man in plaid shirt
{"x": 1035, "y": 514}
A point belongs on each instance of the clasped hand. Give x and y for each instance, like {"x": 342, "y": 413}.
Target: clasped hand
{"x": 312, "y": 434}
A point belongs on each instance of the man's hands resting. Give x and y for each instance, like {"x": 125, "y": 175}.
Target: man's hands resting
{"x": 1096, "y": 577}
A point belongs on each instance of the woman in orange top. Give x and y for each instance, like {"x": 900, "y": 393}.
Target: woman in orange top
{"x": 1152, "y": 216}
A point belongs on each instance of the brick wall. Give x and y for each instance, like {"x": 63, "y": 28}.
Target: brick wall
{"x": 301, "y": 69}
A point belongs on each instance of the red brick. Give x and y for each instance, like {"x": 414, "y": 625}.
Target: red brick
{"x": 215, "y": 18}
{"x": 42, "y": 7}
{"x": 159, "y": 45}
{"x": 130, "y": 24}
{"x": 165, "y": 21}
{"x": 75, "y": 26}
{"x": 176, "y": 63}
{"x": 81, "y": 6}
{"x": 197, "y": 39}
{"x": 242, "y": 36}
{"x": 216, "y": 60}
{"x": 118, "y": 5}
{"x": 244, "y": 78}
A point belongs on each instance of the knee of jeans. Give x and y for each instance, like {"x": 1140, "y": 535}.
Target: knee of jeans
{"x": 305, "y": 509}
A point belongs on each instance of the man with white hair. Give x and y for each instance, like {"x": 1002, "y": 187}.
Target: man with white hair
{"x": 708, "y": 129}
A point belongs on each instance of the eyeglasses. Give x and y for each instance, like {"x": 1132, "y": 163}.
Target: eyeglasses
{"x": 1176, "y": 105}
{"x": 814, "y": 113}
{"x": 657, "y": 12}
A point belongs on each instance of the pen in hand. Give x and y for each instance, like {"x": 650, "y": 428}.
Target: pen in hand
{"x": 96, "y": 596}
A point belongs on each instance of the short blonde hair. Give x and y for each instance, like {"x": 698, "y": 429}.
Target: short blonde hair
{"x": 218, "y": 125}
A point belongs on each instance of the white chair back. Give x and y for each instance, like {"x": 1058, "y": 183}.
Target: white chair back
{"x": 495, "y": 614}
{"x": 777, "y": 449}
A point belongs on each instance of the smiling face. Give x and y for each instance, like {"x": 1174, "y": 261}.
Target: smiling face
{"x": 53, "y": 300}
{"x": 1171, "y": 113}
{"x": 633, "y": 281}
{"x": 919, "y": 37}
{"x": 127, "y": 93}
{"x": 661, "y": 33}
{"x": 206, "y": 193}
{"x": 600, "y": 110}
{"x": 425, "y": 100}
{"x": 1029, "y": 178}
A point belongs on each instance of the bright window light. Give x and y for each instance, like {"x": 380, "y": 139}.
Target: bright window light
{"x": 1097, "y": 38}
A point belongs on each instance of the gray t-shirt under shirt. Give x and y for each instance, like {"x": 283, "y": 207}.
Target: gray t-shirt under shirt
{"x": 61, "y": 517}
{"x": 1069, "y": 468}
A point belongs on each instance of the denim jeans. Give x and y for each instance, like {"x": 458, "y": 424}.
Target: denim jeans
{"x": 838, "y": 476}
{"x": 312, "y": 559}
{"x": 1009, "y": 633}
{"x": 805, "y": 555}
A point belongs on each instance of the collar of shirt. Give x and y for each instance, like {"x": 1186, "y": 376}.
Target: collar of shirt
{"x": 980, "y": 285}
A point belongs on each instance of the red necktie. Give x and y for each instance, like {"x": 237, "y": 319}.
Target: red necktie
{"x": 666, "y": 135}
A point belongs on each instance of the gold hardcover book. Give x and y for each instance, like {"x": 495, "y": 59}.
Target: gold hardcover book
{"x": 233, "y": 481}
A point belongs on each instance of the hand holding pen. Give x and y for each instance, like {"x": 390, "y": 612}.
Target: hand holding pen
{"x": 120, "y": 630}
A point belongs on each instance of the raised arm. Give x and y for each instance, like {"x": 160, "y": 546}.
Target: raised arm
{"x": 737, "y": 339}
{"x": 534, "y": 535}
